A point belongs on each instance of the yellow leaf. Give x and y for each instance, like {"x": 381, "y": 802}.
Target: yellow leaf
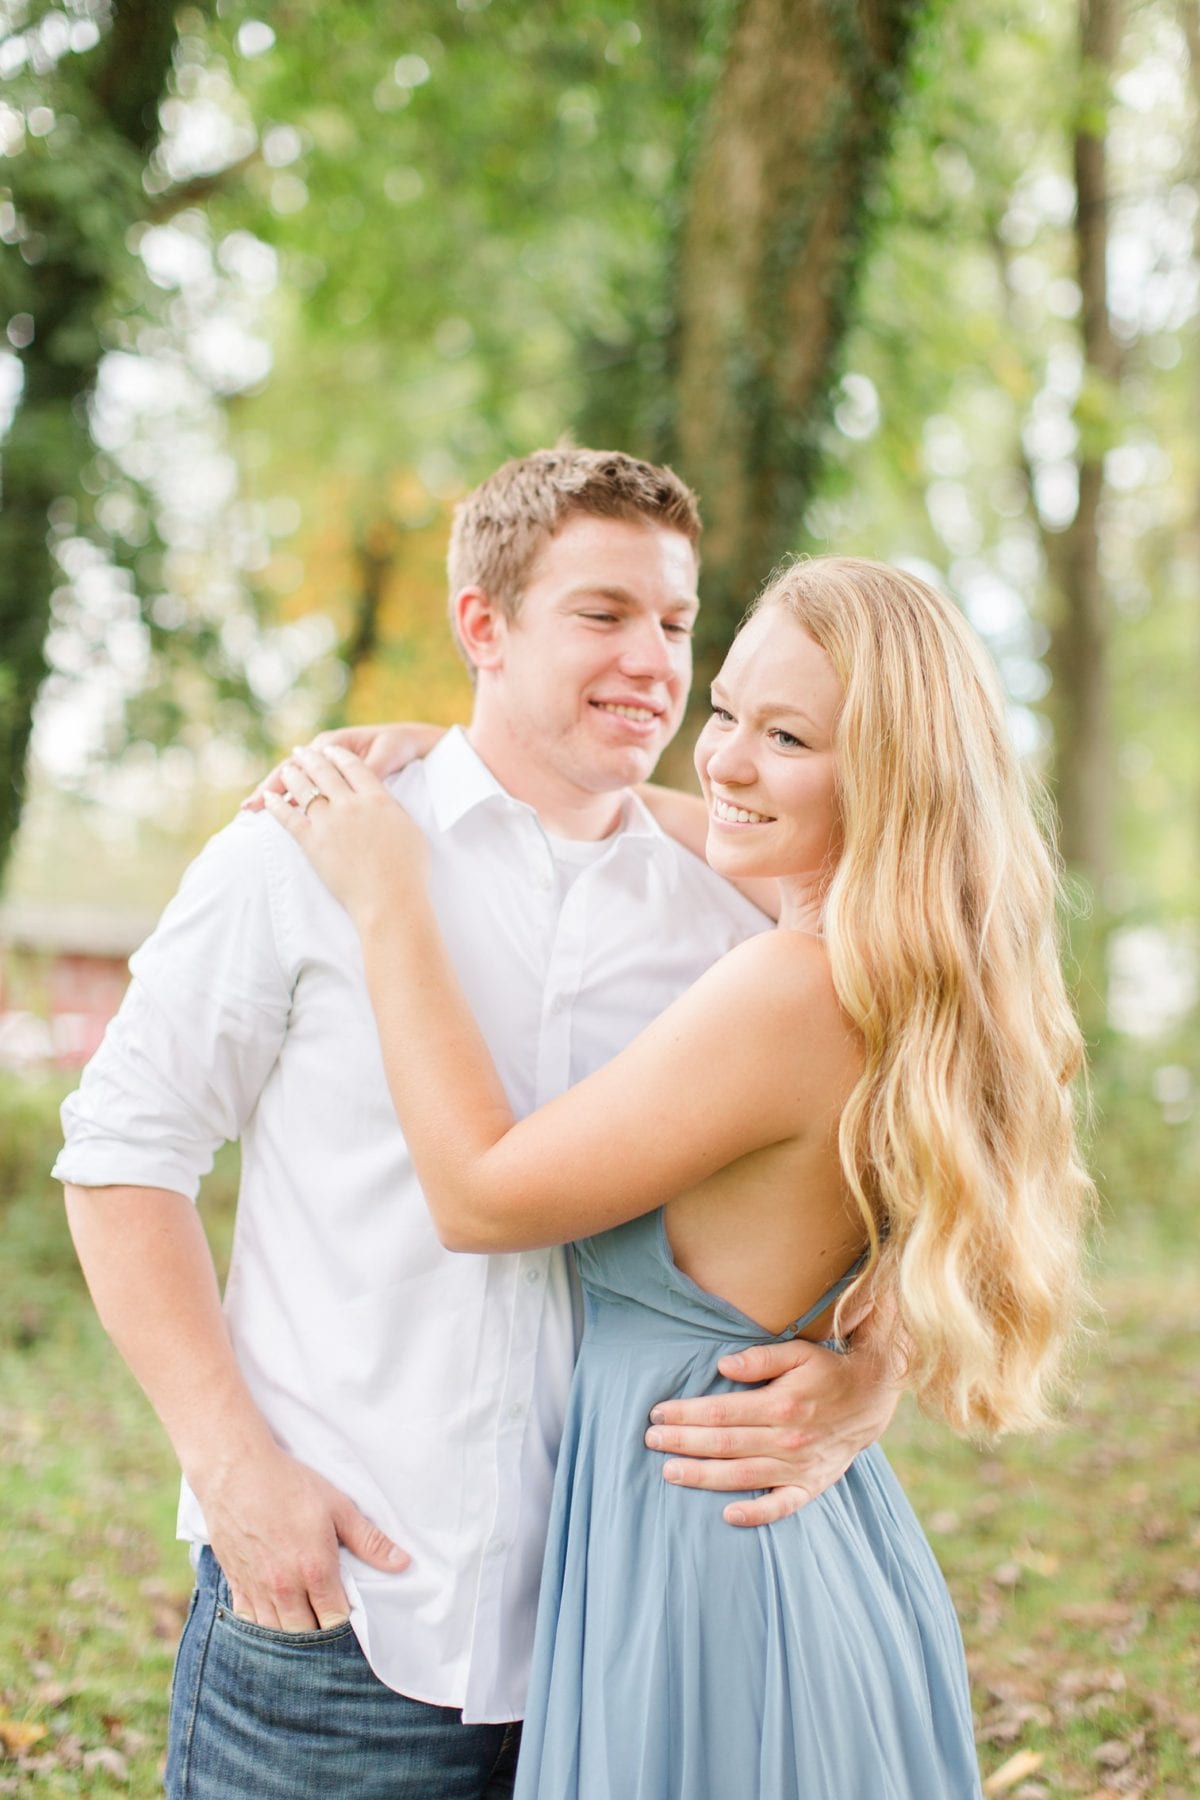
{"x": 1014, "y": 1770}
{"x": 18, "y": 1735}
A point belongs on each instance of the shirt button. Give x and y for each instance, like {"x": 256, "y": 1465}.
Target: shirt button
{"x": 516, "y": 1409}
{"x": 543, "y": 879}
{"x": 533, "y": 1276}
{"x": 560, "y": 1003}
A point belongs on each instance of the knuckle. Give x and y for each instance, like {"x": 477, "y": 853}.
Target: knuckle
{"x": 279, "y": 1585}
{"x": 312, "y": 1570}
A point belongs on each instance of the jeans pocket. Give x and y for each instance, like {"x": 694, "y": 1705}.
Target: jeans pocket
{"x": 276, "y": 1635}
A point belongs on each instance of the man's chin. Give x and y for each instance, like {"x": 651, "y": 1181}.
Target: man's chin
{"x": 612, "y": 766}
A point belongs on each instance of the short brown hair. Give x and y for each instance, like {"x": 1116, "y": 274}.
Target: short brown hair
{"x": 501, "y": 527}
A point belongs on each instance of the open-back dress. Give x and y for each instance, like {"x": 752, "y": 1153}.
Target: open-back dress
{"x": 681, "y": 1658}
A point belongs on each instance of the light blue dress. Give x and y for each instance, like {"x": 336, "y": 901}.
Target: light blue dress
{"x": 681, "y": 1658}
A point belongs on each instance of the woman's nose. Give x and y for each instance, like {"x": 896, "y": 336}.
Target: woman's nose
{"x": 729, "y": 758}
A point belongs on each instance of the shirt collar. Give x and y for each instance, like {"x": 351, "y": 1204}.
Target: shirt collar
{"x": 459, "y": 781}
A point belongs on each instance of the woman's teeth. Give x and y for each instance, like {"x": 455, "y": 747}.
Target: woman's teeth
{"x": 738, "y": 815}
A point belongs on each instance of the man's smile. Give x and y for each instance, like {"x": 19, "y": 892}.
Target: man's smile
{"x": 631, "y": 710}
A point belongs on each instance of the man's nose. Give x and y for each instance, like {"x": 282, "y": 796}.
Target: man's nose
{"x": 645, "y": 652}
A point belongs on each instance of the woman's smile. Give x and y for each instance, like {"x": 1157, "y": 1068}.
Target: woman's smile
{"x": 731, "y": 812}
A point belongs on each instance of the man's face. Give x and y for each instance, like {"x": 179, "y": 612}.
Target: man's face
{"x": 591, "y": 678}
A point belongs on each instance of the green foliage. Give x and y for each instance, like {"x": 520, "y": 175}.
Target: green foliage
{"x": 83, "y": 118}
{"x": 471, "y": 220}
{"x": 1144, "y": 1143}
{"x": 977, "y": 409}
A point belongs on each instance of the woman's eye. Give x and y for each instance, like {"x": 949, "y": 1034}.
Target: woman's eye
{"x": 787, "y": 740}
{"x": 719, "y": 712}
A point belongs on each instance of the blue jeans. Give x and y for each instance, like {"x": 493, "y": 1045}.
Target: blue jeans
{"x": 278, "y": 1715}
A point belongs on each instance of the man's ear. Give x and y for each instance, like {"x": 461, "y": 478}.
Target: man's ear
{"x": 482, "y": 627}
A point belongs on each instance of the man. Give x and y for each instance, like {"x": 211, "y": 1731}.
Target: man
{"x": 367, "y": 1432}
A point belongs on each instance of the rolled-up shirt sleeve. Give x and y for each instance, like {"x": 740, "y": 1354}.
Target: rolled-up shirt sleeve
{"x": 184, "y": 1061}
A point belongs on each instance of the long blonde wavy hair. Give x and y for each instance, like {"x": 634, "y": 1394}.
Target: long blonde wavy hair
{"x": 958, "y": 1143}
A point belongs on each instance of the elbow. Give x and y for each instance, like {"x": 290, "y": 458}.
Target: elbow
{"x": 463, "y": 1238}
{"x": 467, "y": 1231}
{"x": 475, "y": 1240}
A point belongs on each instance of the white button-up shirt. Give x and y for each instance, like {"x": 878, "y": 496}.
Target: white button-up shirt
{"x": 429, "y": 1386}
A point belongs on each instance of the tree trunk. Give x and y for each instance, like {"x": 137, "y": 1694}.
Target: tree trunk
{"x": 1189, "y": 11}
{"x": 1079, "y": 651}
{"x": 772, "y": 244}
{"x": 115, "y": 91}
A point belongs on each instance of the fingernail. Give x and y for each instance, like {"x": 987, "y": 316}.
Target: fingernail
{"x": 654, "y": 1440}
{"x": 672, "y": 1472}
{"x": 736, "y": 1516}
{"x": 656, "y": 1415}
{"x": 399, "y": 1559}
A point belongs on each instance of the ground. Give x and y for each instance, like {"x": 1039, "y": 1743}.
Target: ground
{"x": 1074, "y": 1559}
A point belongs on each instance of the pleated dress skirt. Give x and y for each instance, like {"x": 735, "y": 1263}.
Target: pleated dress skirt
{"x": 681, "y": 1658}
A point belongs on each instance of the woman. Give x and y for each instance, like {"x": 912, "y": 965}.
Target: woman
{"x": 878, "y": 1090}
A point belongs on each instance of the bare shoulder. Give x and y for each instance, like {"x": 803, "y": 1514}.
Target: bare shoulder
{"x": 783, "y": 968}
{"x": 783, "y": 987}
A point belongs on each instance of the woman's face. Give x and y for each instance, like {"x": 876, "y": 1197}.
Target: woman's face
{"x": 765, "y": 758}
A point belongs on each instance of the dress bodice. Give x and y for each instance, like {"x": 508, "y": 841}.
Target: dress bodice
{"x": 635, "y": 1289}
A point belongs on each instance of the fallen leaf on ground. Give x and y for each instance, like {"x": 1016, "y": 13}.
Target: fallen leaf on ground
{"x": 18, "y": 1735}
{"x": 1025, "y": 1762}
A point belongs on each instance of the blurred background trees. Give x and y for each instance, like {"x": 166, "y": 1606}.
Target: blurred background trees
{"x": 914, "y": 280}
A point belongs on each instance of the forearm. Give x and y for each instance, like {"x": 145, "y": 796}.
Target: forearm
{"x": 147, "y": 1263}
{"x": 448, "y": 1097}
{"x": 274, "y": 1523}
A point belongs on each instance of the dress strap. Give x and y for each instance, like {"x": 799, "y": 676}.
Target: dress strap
{"x": 827, "y": 1299}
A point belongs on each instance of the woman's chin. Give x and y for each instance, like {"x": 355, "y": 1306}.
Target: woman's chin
{"x": 726, "y": 858}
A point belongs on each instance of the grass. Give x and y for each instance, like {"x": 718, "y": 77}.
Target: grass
{"x": 1074, "y": 1560}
